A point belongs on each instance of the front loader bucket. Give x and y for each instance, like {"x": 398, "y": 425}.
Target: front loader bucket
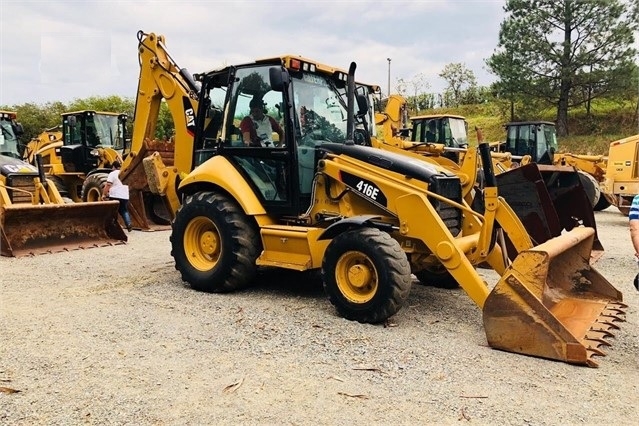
{"x": 548, "y": 200}
{"x": 551, "y": 303}
{"x": 29, "y": 229}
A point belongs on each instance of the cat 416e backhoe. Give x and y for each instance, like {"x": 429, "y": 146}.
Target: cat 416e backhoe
{"x": 367, "y": 218}
{"x": 34, "y": 217}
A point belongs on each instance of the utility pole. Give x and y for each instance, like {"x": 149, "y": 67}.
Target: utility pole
{"x": 389, "y": 61}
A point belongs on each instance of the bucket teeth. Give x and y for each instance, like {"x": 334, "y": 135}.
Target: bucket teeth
{"x": 600, "y": 330}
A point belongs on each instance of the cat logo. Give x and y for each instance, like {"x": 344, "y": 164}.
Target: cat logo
{"x": 189, "y": 116}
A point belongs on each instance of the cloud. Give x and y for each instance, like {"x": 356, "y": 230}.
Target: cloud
{"x": 76, "y": 49}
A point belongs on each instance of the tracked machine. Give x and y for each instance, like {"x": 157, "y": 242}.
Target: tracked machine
{"x": 323, "y": 199}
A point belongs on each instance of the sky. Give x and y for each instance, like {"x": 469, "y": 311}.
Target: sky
{"x": 65, "y": 50}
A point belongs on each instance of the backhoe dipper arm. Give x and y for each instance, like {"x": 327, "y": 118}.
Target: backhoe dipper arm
{"x": 161, "y": 78}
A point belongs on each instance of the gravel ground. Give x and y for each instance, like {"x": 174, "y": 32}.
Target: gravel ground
{"x": 113, "y": 336}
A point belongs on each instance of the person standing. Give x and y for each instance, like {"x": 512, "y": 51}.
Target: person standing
{"x": 116, "y": 190}
{"x": 633, "y": 217}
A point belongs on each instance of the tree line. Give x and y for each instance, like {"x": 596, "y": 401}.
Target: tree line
{"x": 558, "y": 53}
{"x": 551, "y": 53}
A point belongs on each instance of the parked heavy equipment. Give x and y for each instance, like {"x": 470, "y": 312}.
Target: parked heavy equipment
{"x": 536, "y": 141}
{"x": 77, "y": 155}
{"x": 548, "y": 199}
{"x": 621, "y": 181}
{"x": 365, "y": 217}
{"x": 34, "y": 218}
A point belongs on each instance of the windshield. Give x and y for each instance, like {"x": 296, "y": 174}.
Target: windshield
{"x": 320, "y": 111}
{"x": 457, "y": 132}
{"x": 8, "y": 140}
{"x": 551, "y": 138}
{"x": 109, "y": 130}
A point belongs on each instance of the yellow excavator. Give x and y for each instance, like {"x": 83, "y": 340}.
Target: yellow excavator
{"x": 323, "y": 199}
{"x": 77, "y": 155}
{"x": 34, "y": 217}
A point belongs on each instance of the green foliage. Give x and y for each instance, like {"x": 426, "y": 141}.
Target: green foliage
{"x": 36, "y": 118}
{"x": 609, "y": 120}
{"x": 462, "y": 85}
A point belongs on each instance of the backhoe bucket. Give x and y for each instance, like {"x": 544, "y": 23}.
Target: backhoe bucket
{"x": 551, "y": 303}
{"x": 47, "y": 228}
{"x": 148, "y": 211}
{"x": 548, "y": 200}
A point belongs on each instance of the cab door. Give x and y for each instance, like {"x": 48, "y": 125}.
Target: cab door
{"x": 267, "y": 166}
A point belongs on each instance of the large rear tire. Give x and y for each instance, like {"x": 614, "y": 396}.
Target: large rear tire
{"x": 591, "y": 187}
{"x": 93, "y": 186}
{"x": 214, "y": 244}
{"x": 366, "y": 275}
{"x": 602, "y": 204}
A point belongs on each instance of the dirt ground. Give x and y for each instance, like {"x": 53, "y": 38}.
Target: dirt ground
{"x": 113, "y": 336}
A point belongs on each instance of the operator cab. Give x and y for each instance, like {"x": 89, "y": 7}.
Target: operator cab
{"x": 10, "y": 133}
{"x": 306, "y": 100}
{"x": 448, "y": 130}
{"x": 83, "y": 132}
{"x": 535, "y": 138}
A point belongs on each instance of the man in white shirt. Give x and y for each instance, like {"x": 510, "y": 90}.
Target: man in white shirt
{"x": 257, "y": 128}
{"x": 116, "y": 190}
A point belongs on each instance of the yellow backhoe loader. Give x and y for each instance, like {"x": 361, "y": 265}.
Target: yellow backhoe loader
{"x": 321, "y": 199}
{"x": 34, "y": 218}
{"x": 78, "y": 155}
{"x": 621, "y": 180}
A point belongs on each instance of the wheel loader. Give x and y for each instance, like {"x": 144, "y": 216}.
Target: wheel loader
{"x": 34, "y": 218}
{"x": 548, "y": 199}
{"x": 77, "y": 155}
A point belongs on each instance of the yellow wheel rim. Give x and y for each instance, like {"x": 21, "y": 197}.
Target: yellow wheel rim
{"x": 356, "y": 277}
{"x": 94, "y": 194}
{"x": 202, "y": 243}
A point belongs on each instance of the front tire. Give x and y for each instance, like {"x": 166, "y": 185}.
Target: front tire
{"x": 214, "y": 244}
{"x": 366, "y": 275}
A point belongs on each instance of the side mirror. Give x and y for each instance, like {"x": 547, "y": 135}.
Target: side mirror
{"x": 279, "y": 78}
{"x": 362, "y": 104}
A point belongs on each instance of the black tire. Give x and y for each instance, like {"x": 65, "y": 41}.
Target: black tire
{"x": 602, "y": 204}
{"x": 591, "y": 187}
{"x": 382, "y": 263}
{"x": 93, "y": 186}
{"x": 437, "y": 277}
{"x": 62, "y": 189}
{"x": 227, "y": 262}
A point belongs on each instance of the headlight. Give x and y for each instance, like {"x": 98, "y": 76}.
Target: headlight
{"x": 94, "y": 152}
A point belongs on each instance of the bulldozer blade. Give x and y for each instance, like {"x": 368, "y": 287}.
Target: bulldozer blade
{"x": 549, "y": 200}
{"x": 551, "y": 303}
{"x": 29, "y": 230}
